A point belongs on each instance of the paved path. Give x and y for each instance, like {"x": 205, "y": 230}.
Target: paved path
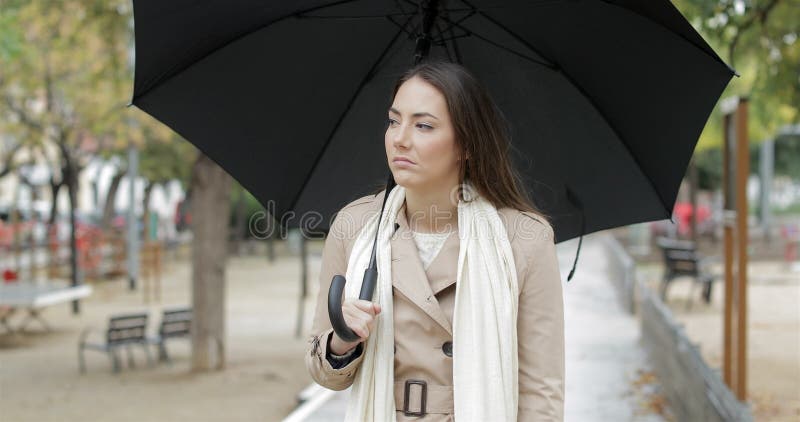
{"x": 607, "y": 375}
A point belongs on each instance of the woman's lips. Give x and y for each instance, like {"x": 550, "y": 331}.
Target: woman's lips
{"x": 403, "y": 162}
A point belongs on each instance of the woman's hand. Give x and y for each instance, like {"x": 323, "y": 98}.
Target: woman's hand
{"x": 359, "y": 315}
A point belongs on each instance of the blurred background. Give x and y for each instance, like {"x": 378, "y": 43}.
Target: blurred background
{"x": 105, "y": 281}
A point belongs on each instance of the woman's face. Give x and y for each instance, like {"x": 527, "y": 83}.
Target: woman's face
{"x": 419, "y": 130}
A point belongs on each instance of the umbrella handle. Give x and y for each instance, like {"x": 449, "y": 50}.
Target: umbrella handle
{"x": 335, "y": 302}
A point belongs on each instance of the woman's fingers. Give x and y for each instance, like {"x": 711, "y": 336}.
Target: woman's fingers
{"x": 367, "y": 306}
{"x": 360, "y": 316}
{"x": 360, "y": 326}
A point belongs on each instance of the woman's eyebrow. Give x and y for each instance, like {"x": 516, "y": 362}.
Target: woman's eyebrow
{"x": 419, "y": 114}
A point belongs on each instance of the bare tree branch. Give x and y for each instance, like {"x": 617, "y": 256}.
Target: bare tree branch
{"x": 22, "y": 115}
{"x": 8, "y": 164}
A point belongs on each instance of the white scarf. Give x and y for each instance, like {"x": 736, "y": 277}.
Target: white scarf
{"x": 484, "y": 318}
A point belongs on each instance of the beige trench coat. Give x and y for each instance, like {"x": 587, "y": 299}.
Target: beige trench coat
{"x": 423, "y": 311}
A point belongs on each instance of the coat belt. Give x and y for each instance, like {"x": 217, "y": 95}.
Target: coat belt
{"x": 439, "y": 398}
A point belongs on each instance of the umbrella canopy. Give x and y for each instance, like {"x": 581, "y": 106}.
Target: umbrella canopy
{"x": 605, "y": 99}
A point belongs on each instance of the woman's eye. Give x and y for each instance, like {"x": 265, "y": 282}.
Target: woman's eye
{"x": 424, "y": 126}
{"x": 390, "y": 121}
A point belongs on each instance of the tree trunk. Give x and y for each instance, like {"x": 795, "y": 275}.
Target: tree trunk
{"x": 111, "y": 199}
{"x": 71, "y": 178}
{"x": 52, "y": 231}
{"x": 210, "y": 213}
{"x": 54, "y": 188}
{"x": 148, "y": 190}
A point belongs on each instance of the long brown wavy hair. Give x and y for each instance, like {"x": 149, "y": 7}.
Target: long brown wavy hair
{"x": 481, "y": 132}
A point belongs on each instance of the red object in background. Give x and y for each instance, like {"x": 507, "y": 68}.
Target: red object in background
{"x": 9, "y": 276}
{"x": 683, "y": 215}
{"x": 791, "y": 234}
{"x": 6, "y": 234}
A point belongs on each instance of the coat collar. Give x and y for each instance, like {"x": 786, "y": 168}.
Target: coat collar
{"x": 412, "y": 280}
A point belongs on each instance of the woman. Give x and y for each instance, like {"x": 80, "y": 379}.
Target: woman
{"x": 467, "y": 317}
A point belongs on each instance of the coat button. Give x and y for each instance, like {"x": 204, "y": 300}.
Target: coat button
{"x": 447, "y": 348}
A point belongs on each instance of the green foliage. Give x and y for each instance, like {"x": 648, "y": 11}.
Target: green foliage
{"x": 787, "y": 162}
{"x": 62, "y": 81}
{"x": 759, "y": 38}
{"x": 10, "y": 36}
{"x": 164, "y": 158}
{"x": 67, "y": 77}
{"x": 787, "y": 156}
{"x": 709, "y": 168}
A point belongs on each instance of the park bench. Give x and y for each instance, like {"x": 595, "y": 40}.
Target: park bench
{"x": 681, "y": 259}
{"x": 123, "y": 331}
{"x": 175, "y": 323}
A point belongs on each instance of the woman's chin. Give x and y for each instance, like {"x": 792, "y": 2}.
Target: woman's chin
{"x": 401, "y": 178}
{"x": 405, "y": 181}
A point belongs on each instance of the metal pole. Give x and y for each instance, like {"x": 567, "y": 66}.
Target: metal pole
{"x": 728, "y": 215}
{"x": 133, "y": 233}
{"x": 767, "y": 162}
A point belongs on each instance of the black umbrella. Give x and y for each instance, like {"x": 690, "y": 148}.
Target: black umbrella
{"x": 606, "y": 99}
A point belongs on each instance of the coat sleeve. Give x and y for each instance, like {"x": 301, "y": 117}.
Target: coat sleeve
{"x": 334, "y": 261}
{"x": 540, "y": 332}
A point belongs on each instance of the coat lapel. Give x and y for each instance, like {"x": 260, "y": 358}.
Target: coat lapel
{"x": 410, "y": 278}
{"x": 442, "y": 271}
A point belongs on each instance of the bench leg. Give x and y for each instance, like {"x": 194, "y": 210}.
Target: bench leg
{"x": 147, "y": 353}
{"x": 664, "y": 283}
{"x": 163, "y": 356}
{"x": 707, "y": 291}
{"x": 129, "y": 352}
{"x": 115, "y": 361}
{"x": 81, "y": 361}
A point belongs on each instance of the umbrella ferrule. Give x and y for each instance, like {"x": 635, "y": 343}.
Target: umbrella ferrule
{"x": 429, "y": 10}
{"x": 422, "y": 49}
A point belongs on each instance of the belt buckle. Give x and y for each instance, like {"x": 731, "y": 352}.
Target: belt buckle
{"x": 424, "y": 397}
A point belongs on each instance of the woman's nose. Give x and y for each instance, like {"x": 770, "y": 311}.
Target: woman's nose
{"x": 400, "y": 139}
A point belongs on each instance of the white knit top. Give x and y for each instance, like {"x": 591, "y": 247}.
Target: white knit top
{"x": 429, "y": 245}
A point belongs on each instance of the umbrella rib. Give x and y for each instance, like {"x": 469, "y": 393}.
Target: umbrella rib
{"x": 500, "y": 46}
{"x": 172, "y": 72}
{"x": 456, "y": 51}
{"x": 594, "y": 105}
{"x": 659, "y": 24}
{"x": 444, "y": 42}
{"x": 354, "y": 17}
{"x": 400, "y": 6}
{"x": 402, "y": 27}
{"x": 361, "y": 85}
{"x": 467, "y": 16}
